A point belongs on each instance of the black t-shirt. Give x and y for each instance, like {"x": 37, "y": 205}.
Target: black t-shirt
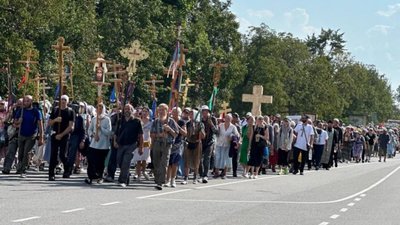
{"x": 371, "y": 138}
{"x": 67, "y": 115}
{"x": 129, "y": 132}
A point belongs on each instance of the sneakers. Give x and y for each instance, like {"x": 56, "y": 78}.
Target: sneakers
{"x": 22, "y": 175}
{"x": 173, "y": 184}
{"x": 301, "y": 173}
{"x": 100, "y": 181}
{"x": 122, "y": 185}
{"x": 255, "y": 177}
{"x": 245, "y": 175}
{"x": 158, "y": 187}
{"x": 205, "y": 180}
{"x": 280, "y": 172}
{"x": 251, "y": 176}
{"x": 185, "y": 181}
{"x": 146, "y": 176}
{"x": 223, "y": 177}
{"x": 5, "y": 172}
{"x": 285, "y": 171}
{"x": 167, "y": 185}
{"x": 52, "y": 178}
{"x": 194, "y": 181}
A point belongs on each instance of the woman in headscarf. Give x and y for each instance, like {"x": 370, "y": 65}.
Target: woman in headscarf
{"x": 285, "y": 139}
{"x": 99, "y": 131}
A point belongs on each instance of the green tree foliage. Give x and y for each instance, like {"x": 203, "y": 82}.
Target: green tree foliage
{"x": 316, "y": 75}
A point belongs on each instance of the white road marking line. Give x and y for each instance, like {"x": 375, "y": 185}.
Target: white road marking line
{"x": 351, "y": 204}
{"x": 25, "y": 219}
{"x": 165, "y": 193}
{"x": 335, "y": 216}
{"x": 363, "y": 195}
{"x": 73, "y": 210}
{"x": 344, "y": 209}
{"x": 264, "y": 178}
{"x": 357, "y": 199}
{"x": 324, "y": 223}
{"x": 110, "y": 203}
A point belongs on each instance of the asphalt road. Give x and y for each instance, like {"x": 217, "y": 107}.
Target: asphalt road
{"x": 350, "y": 194}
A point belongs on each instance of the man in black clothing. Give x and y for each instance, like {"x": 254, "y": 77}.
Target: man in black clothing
{"x": 211, "y": 129}
{"x": 62, "y": 123}
{"x": 129, "y": 136}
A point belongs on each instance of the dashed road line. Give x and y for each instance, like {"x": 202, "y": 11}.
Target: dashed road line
{"x": 73, "y": 210}
{"x": 351, "y": 204}
{"x": 110, "y": 203}
{"x": 344, "y": 209}
{"x": 363, "y": 195}
{"x": 25, "y": 219}
{"x": 335, "y": 216}
{"x": 357, "y": 199}
{"x": 324, "y": 223}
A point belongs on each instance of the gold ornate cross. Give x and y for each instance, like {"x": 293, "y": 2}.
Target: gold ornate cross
{"x": 225, "y": 108}
{"x": 134, "y": 53}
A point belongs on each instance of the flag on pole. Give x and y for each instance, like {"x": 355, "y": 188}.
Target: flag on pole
{"x": 113, "y": 96}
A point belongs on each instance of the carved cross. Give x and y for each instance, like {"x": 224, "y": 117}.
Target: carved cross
{"x": 225, "y": 108}
{"x": 186, "y": 90}
{"x": 217, "y": 72}
{"x": 37, "y": 80}
{"x": 134, "y": 53}
{"x": 117, "y": 72}
{"x": 153, "y": 88}
{"x": 60, "y": 48}
{"x": 27, "y": 64}
{"x": 257, "y": 98}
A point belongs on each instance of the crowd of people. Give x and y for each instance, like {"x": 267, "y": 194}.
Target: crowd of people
{"x": 190, "y": 143}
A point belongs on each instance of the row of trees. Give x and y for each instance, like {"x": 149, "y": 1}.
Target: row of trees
{"x": 316, "y": 75}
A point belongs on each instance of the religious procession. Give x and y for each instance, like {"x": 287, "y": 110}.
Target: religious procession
{"x": 169, "y": 143}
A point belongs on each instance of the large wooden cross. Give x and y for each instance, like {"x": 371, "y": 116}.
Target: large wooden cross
{"x": 60, "y": 48}
{"x": 153, "y": 88}
{"x": 134, "y": 53}
{"x": 217, "y": 72}
{"x": 257, "y": 98}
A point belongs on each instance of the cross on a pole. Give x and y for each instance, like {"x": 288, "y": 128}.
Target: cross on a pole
{"x": 217, "y": 72}
{"x": 117, "y": 72}
{"x": 134, "y": 53}
{"x": 186, "y": 90}
{"x": 257, "y": 98}
{"x": 37, "y": 81}
{"x": 60, "y": 48}
{"x": 153, "y": 88}
{"x": 225, "y": 108}
{"x": 27, "y": 64}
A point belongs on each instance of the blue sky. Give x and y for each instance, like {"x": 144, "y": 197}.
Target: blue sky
{"x": 371, "y": 27}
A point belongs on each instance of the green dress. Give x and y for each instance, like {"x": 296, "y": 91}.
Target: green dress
{"x": 245, "y": 145}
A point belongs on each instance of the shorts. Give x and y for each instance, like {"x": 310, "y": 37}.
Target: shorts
{"x": 174, "y": 159}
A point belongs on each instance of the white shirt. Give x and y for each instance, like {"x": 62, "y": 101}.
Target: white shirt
{"x": 323, "y": 137}
{"x": 224, "y": 135}
{"x": 303, "y": 135}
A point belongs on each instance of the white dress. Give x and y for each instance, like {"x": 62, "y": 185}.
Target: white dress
{"x": 146, "y": 145}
